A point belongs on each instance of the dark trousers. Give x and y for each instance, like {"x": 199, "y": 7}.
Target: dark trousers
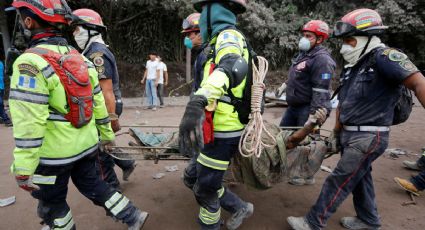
{"x": 352, "y": 175}
{"x": 3, "y": 115}
{"x": 419, "y": 180}
{"x": 206, "y": 183}
{"x": 105, "y": 168}
{"x": 160, "y": 92}
{"x": 53, "y": 208}
{"x": 295, "y": 116}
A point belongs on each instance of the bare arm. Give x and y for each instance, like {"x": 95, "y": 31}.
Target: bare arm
{"x": 166, "y": 77}
{"x": 299, "y": 136}
{"x": 144, "y": 76}
{"x": 338, "y": 125}
{"x": 416, "y": 83}
{"x": 108, "y": 94}
{"x": 158, "y": 76}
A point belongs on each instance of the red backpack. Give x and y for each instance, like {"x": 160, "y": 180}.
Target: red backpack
{"x": 74, "y": 76}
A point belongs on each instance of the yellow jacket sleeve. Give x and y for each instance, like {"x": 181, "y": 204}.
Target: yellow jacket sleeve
{"x": 29, "y": 108}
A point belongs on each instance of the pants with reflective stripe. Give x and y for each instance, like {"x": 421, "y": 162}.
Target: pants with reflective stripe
{"x": 351, "y": 175}
{"x": 53, "y": 207}
{"x": 206, "y": 183}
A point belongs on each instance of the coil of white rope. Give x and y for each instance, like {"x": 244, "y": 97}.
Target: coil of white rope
{"x": 250, "y": 143}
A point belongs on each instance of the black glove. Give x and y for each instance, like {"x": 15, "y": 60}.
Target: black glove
{"x": 191, "y": 139}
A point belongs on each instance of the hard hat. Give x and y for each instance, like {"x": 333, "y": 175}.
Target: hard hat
{"x": 53, "y": 11}
{"x": 191, "y": 23}
{"x": 360, "y": 22}
{"x": 90, "y": 19}
{"x": 318, "y": 27}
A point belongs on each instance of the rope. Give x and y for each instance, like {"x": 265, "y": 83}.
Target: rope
{"x": 251, "y": 143}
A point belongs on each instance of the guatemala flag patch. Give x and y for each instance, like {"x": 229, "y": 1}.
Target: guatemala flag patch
{"x": 27, "y": 82}
{"x": 326, "y": 76}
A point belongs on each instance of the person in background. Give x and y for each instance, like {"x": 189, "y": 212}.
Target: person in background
{"x": 151, "y": 78}
{"x": 4, "y": 119}
{"x": 162, "y": 73}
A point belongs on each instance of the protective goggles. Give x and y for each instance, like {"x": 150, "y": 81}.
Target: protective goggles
{"x": 343, "y": 29}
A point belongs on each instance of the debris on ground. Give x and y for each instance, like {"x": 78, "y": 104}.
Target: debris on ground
{"x": 395, "y": 153}
{"x": 412, "y": 200}
{"x": 171, "y": 168}
{"x": 158, "y": 175}
{"x": 7, "y": 201}
{"x": 326, "y": 169}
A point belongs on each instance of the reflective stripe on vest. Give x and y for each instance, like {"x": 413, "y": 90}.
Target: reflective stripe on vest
{"x": 212, "y": 163}
{"x": 218, "y": 134}
{"x": 64, "y": 161}
{"x": 56, "y": 117}
{"x": 102, "y": 121}
{"x": 97, "y": 89}
{"x": 209, "y": 218}
{"x": 22, "y": 95}
{"x": 65, "y": 223}
{"x": 27, "y": 143}
{"x": 320, "y": 90}
{"x": 47, "y": 71}
{"x": 40, "y": 179}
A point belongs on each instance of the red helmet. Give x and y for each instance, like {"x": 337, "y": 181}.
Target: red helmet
{"x": 89, "y": 18}
{"x": 320, "y": 28}
{"x": 361, "y": 22}
{"x": 53, "y": 11}
{"x": 237, "y": 6}
{"x": 191, "y": 23}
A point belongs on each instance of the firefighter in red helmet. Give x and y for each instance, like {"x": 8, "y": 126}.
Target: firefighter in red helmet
{"x": 57, "y": 130}
{"x": 374, "y": 85}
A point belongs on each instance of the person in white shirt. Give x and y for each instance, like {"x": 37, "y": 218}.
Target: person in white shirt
{"x": 152, "y": 80}
{"x": 162, "y": 73}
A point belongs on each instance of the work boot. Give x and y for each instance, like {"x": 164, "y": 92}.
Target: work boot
{"x": 141, "y": 220}
{"x": 407, "y": 185}
{"x": 127, "y": 172}
{"x": 355, "y": 223}
{"x": 298, "y": 223}
{"x": 309, "y": 180}
{"x": 236, "y": 219}
{"x": 412, "y": 165}
{"x": 297, "y": 181}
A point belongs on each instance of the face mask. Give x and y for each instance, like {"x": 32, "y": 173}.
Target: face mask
{"x": 304, "y": 44}
{"x": 188, "y": 43}
{"x": 81, "y": 37}
{"x": 346, "y": 49}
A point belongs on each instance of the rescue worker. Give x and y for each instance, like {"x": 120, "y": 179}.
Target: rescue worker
{"x": 193, "y": 41}
{"x": 309, "y": 78}
{"x": 49, "y": 149}
{"x": 371, "y": 82}
{"x": 88, "y": 36}
{"x": 227, "y": 50}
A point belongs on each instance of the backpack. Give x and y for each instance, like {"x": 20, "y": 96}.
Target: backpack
{"x": 404, "y": 104}
{"x": 73, "y": 74}
{"x": 241, "y": 105}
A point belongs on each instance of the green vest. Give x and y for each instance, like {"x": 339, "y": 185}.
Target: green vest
{"x": 37, "y": 104}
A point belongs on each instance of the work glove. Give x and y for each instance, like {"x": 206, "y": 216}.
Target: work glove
{"x": 106, "y": 146}
{"x": 280, "y": 90}
{"x": 334, "y": 141}
{"x": 318, "y": 118}
{"x": 25, "y": 183}
{"x": 191, "y": 139}
{"x": 115, "y": 123}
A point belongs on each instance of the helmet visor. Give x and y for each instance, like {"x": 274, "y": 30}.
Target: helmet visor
{"x": 343, "y": 29}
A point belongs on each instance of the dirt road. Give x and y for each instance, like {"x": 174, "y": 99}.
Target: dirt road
{"x": 172, "y": 206}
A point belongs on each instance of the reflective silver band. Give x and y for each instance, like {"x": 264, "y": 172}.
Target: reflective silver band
{"x": 227, "y": 134}
{"x": 56, "y": 117}
{"x": 225, "y": 99}
{"x": 97, "y": 89}
{"x": 367, "y": 128}
{"x": 228, "y": 44}
{"x": 48, "y": 71}
{"x": 27, "y": 96}
{"x": 40, "y": 179}
{"x": 28, "y": 143}
{"x": 64, "y": 161}
{"x": 102, "y": 121}
{"x": 320, "y": 90}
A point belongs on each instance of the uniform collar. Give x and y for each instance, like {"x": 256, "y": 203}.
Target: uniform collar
{"x": 50, "y": 38}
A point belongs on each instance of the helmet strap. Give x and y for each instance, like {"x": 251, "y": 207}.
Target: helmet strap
{"x": 369, "y": 38}
{"x": 209, "y": 26}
